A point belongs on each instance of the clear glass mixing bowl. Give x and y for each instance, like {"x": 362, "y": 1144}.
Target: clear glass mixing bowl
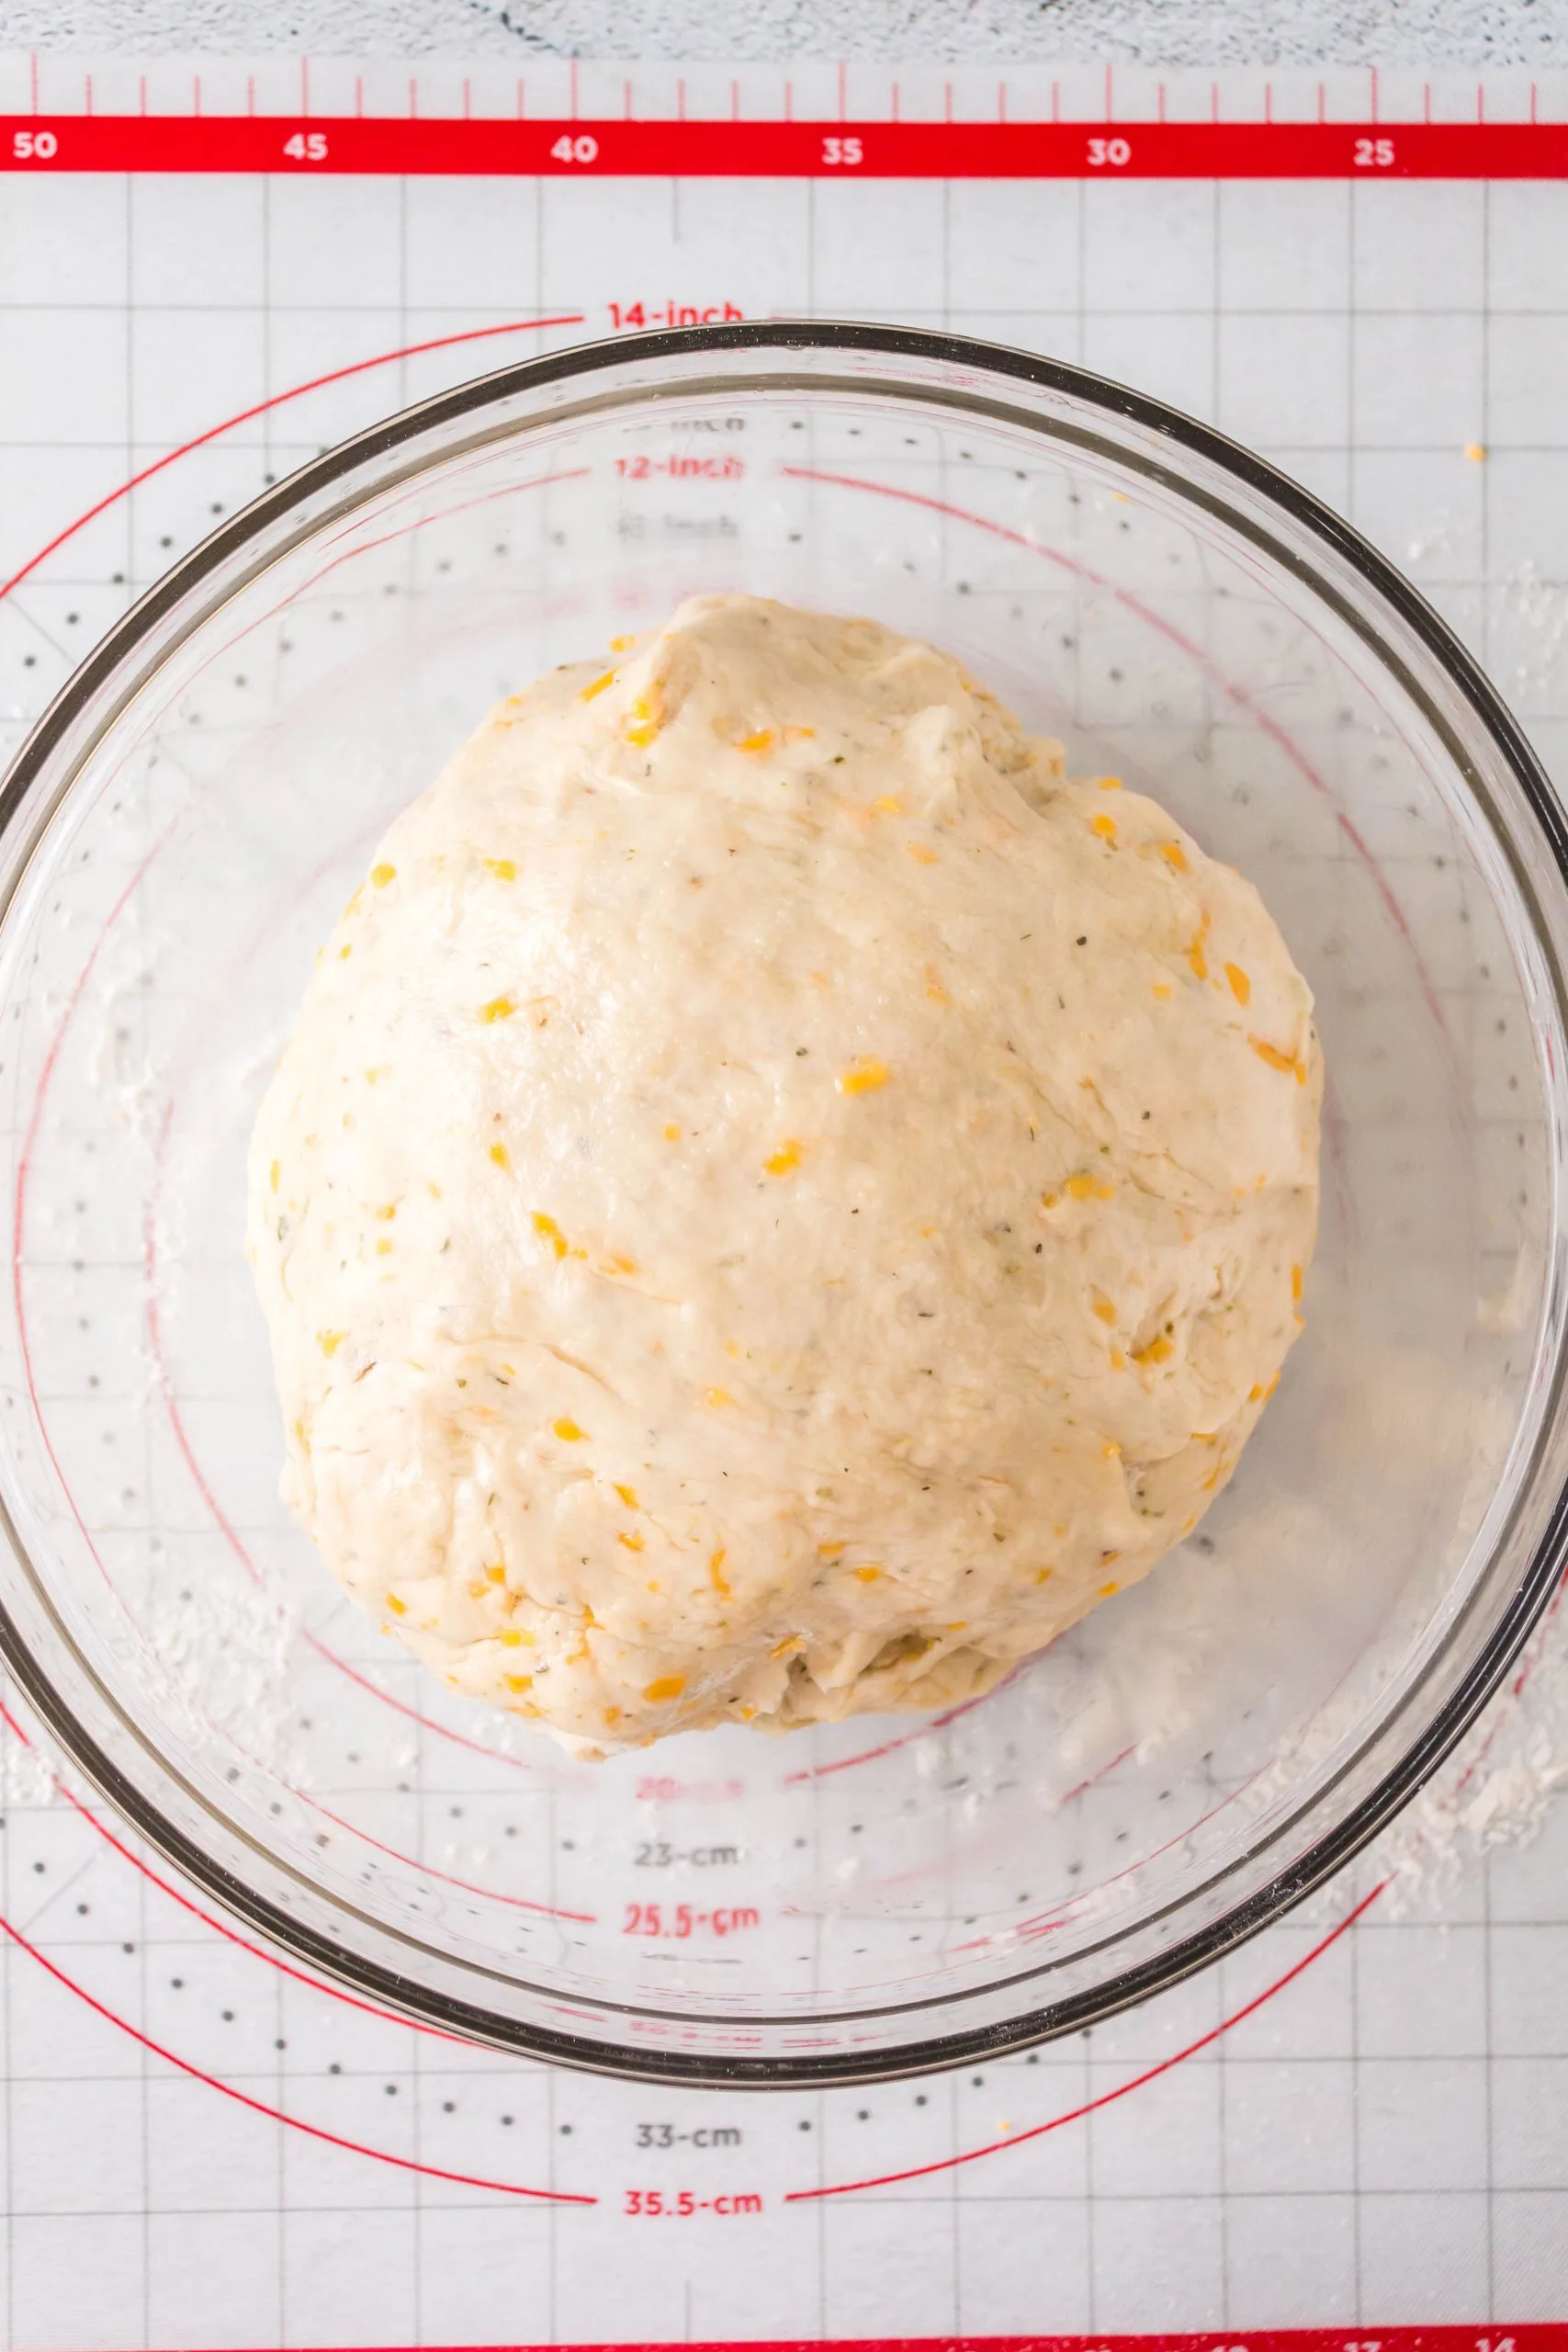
{"x": 887, "y": 1894}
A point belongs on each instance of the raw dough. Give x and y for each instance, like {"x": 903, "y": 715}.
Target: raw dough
{"x": 777, "y": 1202}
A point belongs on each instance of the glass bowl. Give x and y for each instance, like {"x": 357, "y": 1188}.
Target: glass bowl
{"x": 886, "y": 1895}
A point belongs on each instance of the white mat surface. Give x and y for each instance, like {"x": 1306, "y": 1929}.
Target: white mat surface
{"x": 1385, "y": 2139}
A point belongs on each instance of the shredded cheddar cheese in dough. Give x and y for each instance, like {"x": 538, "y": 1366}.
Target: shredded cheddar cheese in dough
{"x": 815, "y": 1263}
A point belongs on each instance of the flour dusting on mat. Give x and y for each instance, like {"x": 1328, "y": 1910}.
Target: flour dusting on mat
{"x": 1497, "y": 1787}
{"x": 225, "y": 1659}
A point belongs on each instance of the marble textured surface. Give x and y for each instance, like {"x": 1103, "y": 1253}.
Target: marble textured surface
{"x": 1531, "y": 33}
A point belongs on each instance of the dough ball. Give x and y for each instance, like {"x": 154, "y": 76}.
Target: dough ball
{"x": 778, "y": 1200}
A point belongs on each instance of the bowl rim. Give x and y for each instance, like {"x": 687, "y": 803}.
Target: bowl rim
{"x": 1331, "y": 1850}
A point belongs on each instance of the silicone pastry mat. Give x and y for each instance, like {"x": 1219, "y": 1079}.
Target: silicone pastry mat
{"x": 1359, "y": 2124}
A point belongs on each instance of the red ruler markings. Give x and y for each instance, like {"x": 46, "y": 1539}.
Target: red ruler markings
{"x": 83, "y": 143}
{"x": 1537, "y": 2336}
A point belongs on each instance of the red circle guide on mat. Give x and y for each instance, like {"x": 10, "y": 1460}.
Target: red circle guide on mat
{"x": 786, "y": 150}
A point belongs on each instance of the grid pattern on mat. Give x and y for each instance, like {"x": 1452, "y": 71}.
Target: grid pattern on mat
{"x": 201, "y": 2150}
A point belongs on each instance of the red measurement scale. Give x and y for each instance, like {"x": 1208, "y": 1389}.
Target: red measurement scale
{"x": 1541, "y": 2335}
{"x": 786, "y": 150}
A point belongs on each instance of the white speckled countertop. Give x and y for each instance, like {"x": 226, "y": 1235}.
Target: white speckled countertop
{"x": 1164, "y": 32}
